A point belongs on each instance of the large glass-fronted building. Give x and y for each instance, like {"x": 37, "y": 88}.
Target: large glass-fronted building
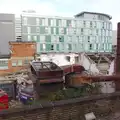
{"x": 86, "y": 32}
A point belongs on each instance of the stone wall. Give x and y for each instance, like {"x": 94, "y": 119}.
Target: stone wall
{"x": 65, "y": 110}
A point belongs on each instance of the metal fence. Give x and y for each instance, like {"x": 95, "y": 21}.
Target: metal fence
{"x": 9, "y": 87}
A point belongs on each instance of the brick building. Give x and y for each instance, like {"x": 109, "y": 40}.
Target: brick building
{"x": 21, "y": 54}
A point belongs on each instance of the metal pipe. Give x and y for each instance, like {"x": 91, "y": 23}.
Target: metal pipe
{"x": 117, "y": 57}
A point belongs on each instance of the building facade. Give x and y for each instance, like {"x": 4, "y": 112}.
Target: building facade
{"x": 86, "y": 32}
{"x": 21, "y": 55}
{"x": 7, "y": 32}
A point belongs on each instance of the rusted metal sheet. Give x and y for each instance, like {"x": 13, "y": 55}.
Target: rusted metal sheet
{"x": 77, "y": 79}
{"x": 99, "y": 78}
{"x": 72, "y": 68}
{"x": 47, "y": 72}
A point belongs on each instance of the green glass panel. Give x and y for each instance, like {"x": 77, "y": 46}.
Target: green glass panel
{"x": 52, "y": 30}
{"x": 57, "y": 30}
{"x": 110, "y": 47}
{"x": 42, "y": 30}
{"x": 57, "y": 22}
{"x": 48, "y": 47}
{"x": 41, "y": 47}
{"x": 48, "y": 38}
{"x": 69, "y": 47}
{"x": 57, "y": 47}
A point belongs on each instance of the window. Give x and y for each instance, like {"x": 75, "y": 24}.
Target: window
{"x": 37, "y": 29}
{"x": 69, "y": 47}
{"x": 19, "y": 62}
{"x": 95, "y": 24}
{"x": 103, "y": 25}
{"x": 35, "y": 38}
{"x": 3, "y": 64}
{"x": 61, "y": 30}
{"x": 84, "y": 23}
{"x": 96, "y": 46}
{"x": 81, "y": 30}
{"x": 76, "y": 59}
{"x": 14, "y": 63}
{"x": 46, "y": 22}
{"x": 25, "y": 21}
{"x": 69, "y": 38}
{"x": 110, "y": 33}
{"x": 74, "y": 31}
{"x": 90, "y": 24}
{"x": 44, "y": 47}
{"x": 60, "y": 39}
{"x": 52, "y": 22}
{"x": 57, "y": 47}
{"x": 73, "y": 23}
{"x": 42, "y": 38}
{"x": 54, "y": 38}
{"x": 63, "y": 23}
{"x": 88, "y": 38}
{"x": 54, "y": 30}
{"x": 60, "y": 22}
{"x": 68, "y": 58}
{"x": 47, "y": 30}
{"x": 40, "y": 21}
{"x": 29, "y": 38}
{"x": 90, "y": 31}
{"x": 37, "y": 21}
{"x": 102, "y": 46}
{"x": 43, "y": 21}
{"x": 52, "y": 47}
{"x": 90, "y": 47}
{"x": 29, "y": 30}
{"x": 26, "y": 62}
{"x": 97, "y": 31}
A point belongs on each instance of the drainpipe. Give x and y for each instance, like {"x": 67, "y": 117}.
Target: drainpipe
{"x": 117, "y": 56}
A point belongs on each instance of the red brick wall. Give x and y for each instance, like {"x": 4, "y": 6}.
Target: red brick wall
{"x": 19, "y": 50}
{"x": 11, "y": 69}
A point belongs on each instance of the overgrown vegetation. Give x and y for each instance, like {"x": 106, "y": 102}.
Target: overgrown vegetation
{"x": 75, "y": 92}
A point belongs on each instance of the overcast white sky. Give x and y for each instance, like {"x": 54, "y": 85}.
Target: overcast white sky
{"x": 63, "y": 7}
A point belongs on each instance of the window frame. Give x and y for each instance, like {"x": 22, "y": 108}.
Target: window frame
{"x": 14, "y": 63}
{"x": 19, "y": 63}
{"x": 5, "y": 65}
